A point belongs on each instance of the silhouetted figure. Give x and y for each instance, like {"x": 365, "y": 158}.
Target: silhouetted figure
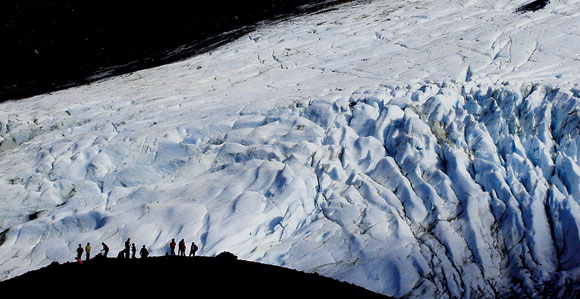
{"x": 80, "y": 251}
{"x": 193, "y": 249}
{"x": 127, "y": 247}
{"x": 88, "y": 251}
{"x": 105, "y": 249}
{"x": 121, "y": 254}
{"x": 144, "y": 252}
{"x": 172, "y": 247}
{"x": 133, "y": 251}
{"x": 181, "y": 248}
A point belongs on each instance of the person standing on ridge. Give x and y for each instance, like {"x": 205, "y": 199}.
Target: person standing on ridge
{"x": 144, "y": 252}
{"x": 193, "y": 249}
{"x": 181, "y": 248}
{"x": 127, "y": 247}
{"x": 80, "y": 251}
{"x": 105, "y": 249}
{"x": 172, "y": 247}
{"x": 133, "y": 251}
{"x": 88, "y": 251}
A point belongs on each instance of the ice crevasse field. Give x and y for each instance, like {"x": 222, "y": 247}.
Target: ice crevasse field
{"x": 415, "y": 148}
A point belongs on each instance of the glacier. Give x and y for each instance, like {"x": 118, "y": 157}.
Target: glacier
{"x": 415, "y": 148}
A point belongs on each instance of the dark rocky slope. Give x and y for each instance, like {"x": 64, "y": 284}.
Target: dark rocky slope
{"x": 50, "y": 45}
{"x": 223, "y": 276}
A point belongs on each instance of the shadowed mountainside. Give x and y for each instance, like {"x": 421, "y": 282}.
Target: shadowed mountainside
{"x": 219, "y": 276}
{"x": 50, "y": 45}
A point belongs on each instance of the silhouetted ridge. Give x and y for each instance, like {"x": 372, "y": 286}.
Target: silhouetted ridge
{"x": 223, "y": 275}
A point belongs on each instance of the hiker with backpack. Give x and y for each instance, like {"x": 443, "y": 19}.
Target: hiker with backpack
{"x": 172, "y": 247}
{"x": 193, "y": 249}
{"x": 181, "y": 248}
{"x": 144, "y": 252}
{"x": 80, "y": 251}
{"x": 88, "y": 251}
{"x": 105, "y": 249}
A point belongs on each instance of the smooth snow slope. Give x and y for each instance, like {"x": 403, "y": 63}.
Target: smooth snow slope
{"x": 413, "y": 148}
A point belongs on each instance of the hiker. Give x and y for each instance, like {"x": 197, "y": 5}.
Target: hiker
{"x": 80, "y": 251}
{"x": 121, "y": 254}
{"x": 181, "y": 248}
{"x": 88, "y": 251}
{"x": 144, "y": 252}
{"x": 105, "y": 249}
{"x": 133, "y": 251}
{"x": 193, "y": 249}
{"x": 127, "y": 247}
{"x": 172, "y": 247}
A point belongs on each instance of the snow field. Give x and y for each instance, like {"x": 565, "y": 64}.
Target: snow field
{"x": 432, "y": 189}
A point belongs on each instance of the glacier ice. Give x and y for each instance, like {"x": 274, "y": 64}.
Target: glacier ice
{"x": 442, "y": 189}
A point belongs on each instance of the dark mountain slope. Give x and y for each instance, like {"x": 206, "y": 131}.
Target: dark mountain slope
{"x": 223, "y": 276}
{"x": 53, "y": 44}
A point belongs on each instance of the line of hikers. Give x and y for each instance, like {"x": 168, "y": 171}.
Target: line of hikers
{"x": 131, "y": 250}
{"x": 182, "y": 248}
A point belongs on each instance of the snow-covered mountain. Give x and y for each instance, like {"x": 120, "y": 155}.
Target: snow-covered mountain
{"x": 415, "y": 148}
